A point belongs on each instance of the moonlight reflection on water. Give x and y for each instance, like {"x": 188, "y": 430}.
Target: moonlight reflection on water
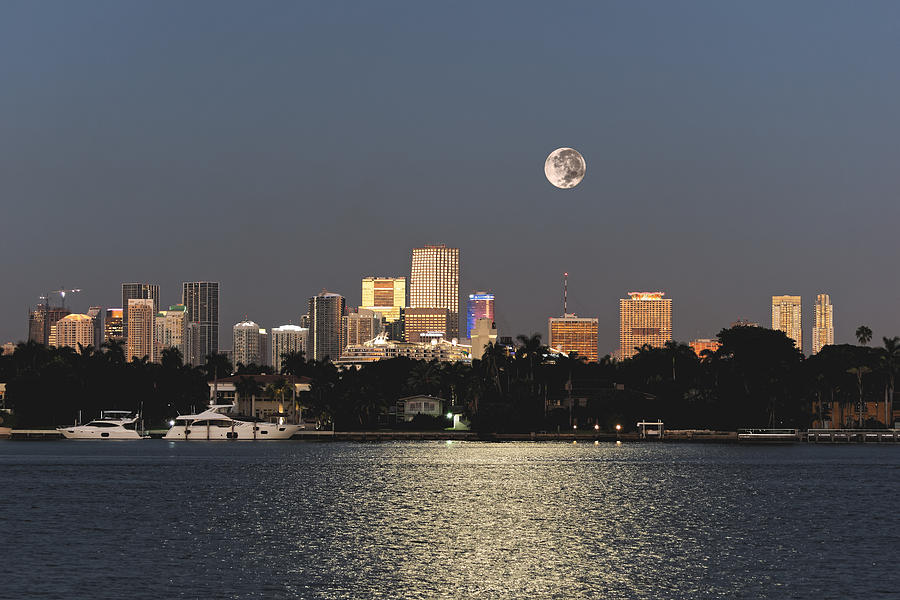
{"x": 436, "y": 520}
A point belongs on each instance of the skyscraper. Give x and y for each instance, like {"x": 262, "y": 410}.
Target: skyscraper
{"x": 435, "y": 322}
{"x": 139, "y": 337}
{"x": 385, "y": 295}
{"x": 287, "y": 339}
{"x": 434, "y": 282}
{"x": 41, "y": 322}
{"x": 143, "y": 291}
{"x": 479, "y": 306}
{"x": 361, "y": 326}
{"x": 73, "y": 330}
{"x": 786, "y": 318}
{"x": 571, "y": 333}
{"x": 246, "y": 349}
{"x": 113, "y": 330}
{"x": 172, "y": 331}
{"x": 823, "y": 331}
{"x": 202, "y": 301}
{"x": 96, "y": 313}
{"x": 325, "y": 326}
{"x": 644, "y": 318}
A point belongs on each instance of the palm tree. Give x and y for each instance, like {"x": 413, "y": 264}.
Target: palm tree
{"x": 293, "y": 363}
{"x": 248, "y": 386}
{"x": 890, "y": 362}
{"x": 863, "y": 334}
{"x": 278, "y": 388}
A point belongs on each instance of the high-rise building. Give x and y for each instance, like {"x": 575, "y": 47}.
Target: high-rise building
{"x": 432, "y": 323}
{"x": 113, "y": 329}
{"x": 74, "y": 330}
{"x": 786, "y": 317}
{"x": 823, "y": 331}
{"x": 264, "y": 353}
{"x": 287, "y": 339}
{"x": 96, "y": 313}
{"x": 41, "y": 322}
{"x": 434, "y": 283}
{"x": 202, "y": 301}
{"x": 385, "y": 295}
{"x": 246, "y": 349}
{"x": 172, "y": 331}
{"x": 361, "y": 326}
{"x": 142, "y": 291}
{"x": 571, "y": 333}
{"x": 325, "y": 326}
{"x": 139, "y": 337}
{"x": 479, "y": 306}
{"x": 483, "y": 333}
{"x": 644, "y": 318}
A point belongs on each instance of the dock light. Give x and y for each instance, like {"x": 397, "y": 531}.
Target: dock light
{"x": 596, "y": 427}
{"x": 449, "y": 415}
{"x": 574, "y": 426}
{"x": 618, "y": 428}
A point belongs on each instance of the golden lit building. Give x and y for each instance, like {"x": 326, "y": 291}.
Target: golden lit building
{"x": 173, "y": 331}
{"x": 73, "y": 330}
{"x": 361, "y": 326}
{"x": 786, "y": 318}
{"x": 644, "y": 318}
{"x": 571, "y": 333}
{"x": 823, "y": 331}
{"x": 140, "y": 335}
{"x": 385, "y": 295}
{"x": 434, "y": 283}
{"x": 422, "y": 321}
{"x": 701, "y": 344}
{"x": 113, "y": 328}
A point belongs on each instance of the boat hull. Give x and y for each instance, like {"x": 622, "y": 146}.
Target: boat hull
{"x": 239, "y": 431}
{"x": 78, "y": 433}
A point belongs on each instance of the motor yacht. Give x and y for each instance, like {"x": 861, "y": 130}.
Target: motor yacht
{"x": 112, "y": 425}
{"x": 214, "y": 424}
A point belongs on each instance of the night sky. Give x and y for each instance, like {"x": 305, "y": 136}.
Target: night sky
{"x": 734, "y": 151}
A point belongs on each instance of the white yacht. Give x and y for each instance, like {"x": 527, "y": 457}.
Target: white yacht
{"x": 214, "y": 424}
{"x": 112, "y": 425}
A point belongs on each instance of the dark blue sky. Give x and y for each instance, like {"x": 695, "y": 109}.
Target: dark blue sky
{"x": 734, "y": 151}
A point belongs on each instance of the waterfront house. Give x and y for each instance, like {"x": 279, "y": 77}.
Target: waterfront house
{"x": 263, "y": 404}
{"x": 421, "y": 405}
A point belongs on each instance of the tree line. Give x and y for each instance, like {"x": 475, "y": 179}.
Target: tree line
{"x": 757, "y": 378}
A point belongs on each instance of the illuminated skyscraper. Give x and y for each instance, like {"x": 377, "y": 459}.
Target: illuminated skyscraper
{"x": 287, "y": 339}
{"x": 361, "y": 326}
{"x": 202, "y": 301}
{"x": 430, "y": 323}
{"x": 385, "y": 295}
{"x": 140, "y": 335}
{"x": 73, "y": 330}
{"x": 113, "y": 330}
{"x": 144, "y": 291}
{"x": 786, "y": 318}
{"x": 644, "y": 318}
{"x": 823, "y": 331}
{"x": 173, "y": 331}
{"x": 434, "y": 283}
{"x": 326, "y": 334}
{"x": 479, "y": 306}
{"x": 571, "y": 333}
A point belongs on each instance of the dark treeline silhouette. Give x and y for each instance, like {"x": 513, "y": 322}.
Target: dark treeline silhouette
{"x": 757, "y": 378}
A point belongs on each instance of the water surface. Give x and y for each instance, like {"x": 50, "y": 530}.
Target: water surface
{"x": 157, "y": 519}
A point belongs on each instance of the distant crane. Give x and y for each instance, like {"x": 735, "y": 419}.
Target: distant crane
{"x": 62, "y": 295}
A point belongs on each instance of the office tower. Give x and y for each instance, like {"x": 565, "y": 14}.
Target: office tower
{"x": 479, "y": 306}
{"x": 73, "y": 330}
{"x": 434, "y": 283}
{"x": 397, "y": 329}
{"x": 644, "y": 318}
{"x": 113, "y": 329}
{"x": 701, "y": 344}
{"x": 483, "y": 333}
{"x": 245, "y": 350}
{"x": 823, "y": 332}
{"x": 325, "y": 326}
{"x": 139, "y": 336}
{"x": 304, "y": 321}
{"x": 786, "y": 318}
{"x": 385, "y": 295}
{"x": 172, "y": 331}
{"x": 361, "y": 326}
{"x": 571, "y": 333}
{"x": 142, "y": 291}
{"x": 41, "y": 322}
{"x": 285, "y": 340}
{"x": 264, "y": 348}
{"x": 202, "y": 301}
{"x": 96, "y": 313}
{"x": 421, "y": 323}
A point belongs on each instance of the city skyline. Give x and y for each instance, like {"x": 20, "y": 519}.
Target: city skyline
{"x": 687, "y": 150}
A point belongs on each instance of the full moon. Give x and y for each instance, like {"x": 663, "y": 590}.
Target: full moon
{"x": 564, "y": 168}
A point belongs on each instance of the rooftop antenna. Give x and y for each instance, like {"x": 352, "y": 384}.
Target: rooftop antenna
{"x": 565, "y": 294}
